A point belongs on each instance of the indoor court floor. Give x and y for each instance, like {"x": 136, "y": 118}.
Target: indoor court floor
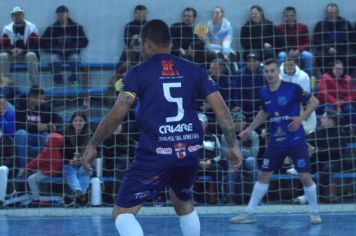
{"x": 267, "y": 224}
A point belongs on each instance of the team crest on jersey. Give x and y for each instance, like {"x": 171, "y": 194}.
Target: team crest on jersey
{"x": 282, "y": 101}
{"x": 180, "y": 149}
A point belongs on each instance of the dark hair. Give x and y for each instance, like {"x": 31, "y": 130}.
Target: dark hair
{"x": 332, "y": 4}
{"x": 36, "y": 91}
{"x": 156, "y": 31}
{"x": 270, "y": 61}
{"x": 82, "y": 139}
{"x": 191, "y": 9}
{"x": 331, "y": 67}
{"x": 140, "y": 8}
{"x": 289, "y": 8}
{"x": 291, "y": 58}
{"x": 334, "y": 115}
{"x": 260, "y": 9}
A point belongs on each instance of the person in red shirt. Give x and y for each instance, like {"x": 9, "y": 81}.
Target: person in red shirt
{"x": 336, "y": 91}
{"x": 296, "y": 36}
{"x": 48, "y": 163}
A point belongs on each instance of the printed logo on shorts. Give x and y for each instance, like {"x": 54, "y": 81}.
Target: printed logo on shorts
{"x": 265, "y": 163}
{"x": 301, "y": 163}
{"x": 142, "y": 195}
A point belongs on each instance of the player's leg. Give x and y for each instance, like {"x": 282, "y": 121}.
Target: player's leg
{"x": 300, "y": 157}
{"x": 188, "y": 216}
{"x": 125, "y": 220}
{"x": 273, "y": 159}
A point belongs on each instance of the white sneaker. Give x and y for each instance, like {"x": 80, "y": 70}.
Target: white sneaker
{"x": 315, "y": 218}
{"x": 301, "y": 200}
{"x": 243, "y": 218}
{"x": 292, "y": 171}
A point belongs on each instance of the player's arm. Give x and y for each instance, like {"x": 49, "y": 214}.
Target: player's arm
{"x": 107, "y": 126}
{"x": 260, "y": 119}
{"x": 226, "y": 124}
{"x": 312, "y": 104}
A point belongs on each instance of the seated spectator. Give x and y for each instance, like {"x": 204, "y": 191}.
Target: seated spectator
{"x": 7, "y": 129}
{"x": 199, "y": 51}
{"x": 182, "y": 32}
{"x": 219, "y": 72}
{"x": 220, "y": 34}
{"x": 8, "y": 89}
{"x": 247, "y": 86}
{"x": 48, "y": 163}
{"x": 210, "y": 157}
{"x": 296, "y": 37}
{"x": 130, "y": 56}
{"x": 77, "y": 136}
{"x": 329, "y": 158}
{"x": 249, "y": 150}
{"x": 134, "y": 27}
{"x": 333, "y": 37}
{"x": 260, "y": 35}
{"x": 34, "y": 121}
{"x": 291, "y": 72}
{"x": 64, "y": 40}
{"x": 20, "y": 43}
{"x": 337, "y": 91}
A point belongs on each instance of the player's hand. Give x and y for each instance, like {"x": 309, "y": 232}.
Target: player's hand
{"x": 89, "y": 153}
{"x": 295, "y": 123}
{"x": 245, "y": 134}
{"x": 234, "y": 155}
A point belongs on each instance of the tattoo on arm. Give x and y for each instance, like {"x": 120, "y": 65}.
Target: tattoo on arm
{"x": 227, "y": 127}
{"x": 113, "y": 119}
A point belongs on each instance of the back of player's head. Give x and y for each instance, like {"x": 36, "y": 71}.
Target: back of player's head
{"x": 156, "y": 31}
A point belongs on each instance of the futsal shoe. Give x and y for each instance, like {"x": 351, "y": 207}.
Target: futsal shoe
{"x": 315, "y": 218}
{"x": 243, "y": 218}
{"x": 301, "y": 200}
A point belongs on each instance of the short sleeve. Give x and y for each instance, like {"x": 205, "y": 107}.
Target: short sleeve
{"x": 302, "y": 95}
{"x": 131, "y": 83}
{"x": 206, "y": 83}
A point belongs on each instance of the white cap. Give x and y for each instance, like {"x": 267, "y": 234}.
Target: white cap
{"x": 17, "y": 9}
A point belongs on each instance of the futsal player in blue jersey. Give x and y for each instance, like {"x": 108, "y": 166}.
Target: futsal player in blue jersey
{"x": 165, "y": 88}
{"x": 281, "y": 102}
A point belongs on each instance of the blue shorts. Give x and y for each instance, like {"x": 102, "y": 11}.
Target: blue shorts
{"x": 149, "y": 175}
{"x": 274, "y": 158}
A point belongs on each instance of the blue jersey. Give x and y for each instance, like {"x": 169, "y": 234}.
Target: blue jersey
{"x": 166, "y": 88}
{"x": 281, "y": 105}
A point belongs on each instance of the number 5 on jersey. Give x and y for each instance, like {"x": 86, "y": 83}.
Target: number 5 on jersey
{"x": 167, "y": 95}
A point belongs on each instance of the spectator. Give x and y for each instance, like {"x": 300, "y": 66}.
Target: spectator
{"x": 219, "y": 72}
{"x": 8, "y": 89}
{"x": 220, "y": 34}
{"x": 210, "y": 157}
{"x": 249, "y": 150}
{"x": 77, "y": 136}
{"x": 296, "y": 37}
{"x": 247, "y": 86}
{"x": 7, "y": 129}
{"x": 260, "y": 35}
{"x": 332, "y": 37}
{"x": 182, "y": 32}
{"x": 64, "y": 40}
{"x": 336, "y": 91}
{"x": 134, "y": 27}
{"x": 48, "y": 163}
{"x": 199, "y": 51}
{"x": 130, "y": 56}
{"x": 290, "y": 72}
{"x": 20, "y": 42}
{"x": 34, "y": 121}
